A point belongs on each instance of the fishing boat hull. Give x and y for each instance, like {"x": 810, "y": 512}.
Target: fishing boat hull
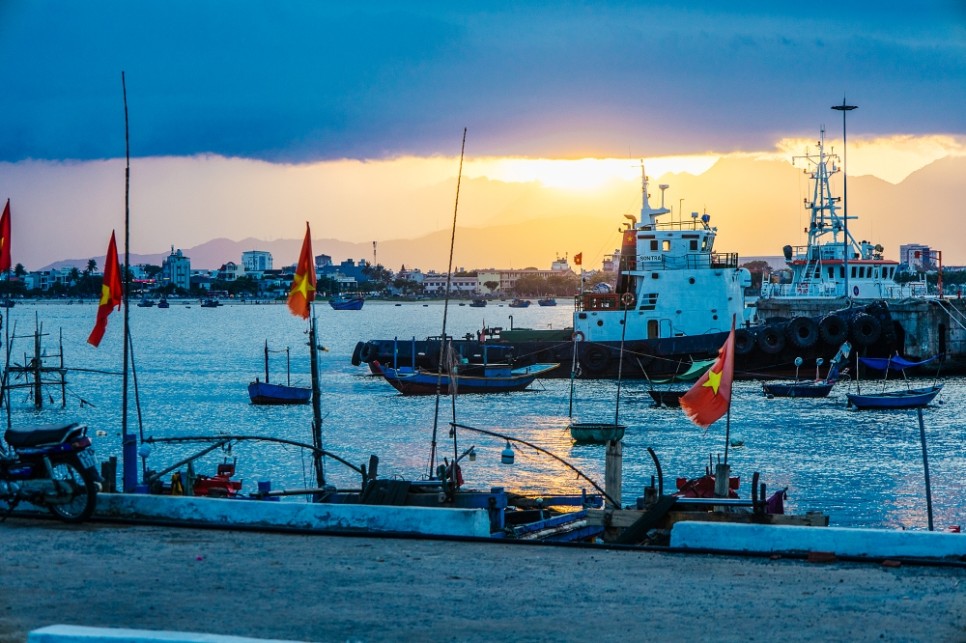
{"x": 666, "y": 398}
{"x": 796, "y": 389}
{"x": 269, "y": 394}
{"x": 596, "y": 432}
{"x": 908, "y": 399}
{"x": 492, "y": 379}
{"x": 347, "y": 303}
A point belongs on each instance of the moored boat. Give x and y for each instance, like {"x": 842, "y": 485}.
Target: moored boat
{"x": 547, "y": 301}
{"x": 519, "y": 303}
{"x": 467, "y": 378}
{"x": 347, "y": 302}
{"x": 478, "y": 303}
{"x": 268, "y": 393}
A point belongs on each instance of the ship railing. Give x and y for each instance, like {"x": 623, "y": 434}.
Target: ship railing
{"x": 689, "y": 224}
{"x": 816, "y": 289}
{"x": 692, "y": 261}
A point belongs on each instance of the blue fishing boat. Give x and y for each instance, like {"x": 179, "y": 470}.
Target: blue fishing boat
{"x": 467, "y": 378}
{"x": 902, "y": 398}
{"x": 267, "y": 393}
{"x": 811, "y": 388}
{"x": 343, "y": 302}
{"x": 547, "y": 301}
{"x": 478, "y": 303}
{"x": 519, "y": 303}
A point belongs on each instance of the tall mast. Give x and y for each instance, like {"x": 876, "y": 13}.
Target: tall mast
{"x": 845, "y": 109}
{"x": 128, "y": 441}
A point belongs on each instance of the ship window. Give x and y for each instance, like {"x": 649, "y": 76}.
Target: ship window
{"x": 653, "y": 244}
{"x": 691, "y": 280}
{"x": 666, "y": 245}
{"x": 648, "y": 301}
{"x": 652, "y": 329}
{"x": 853, "y": 272}
{"x": 655, "y": 275}
{"x": 842, "y": 272}
{"x": 693, "y": 244}
{"x": 831, "y": 272}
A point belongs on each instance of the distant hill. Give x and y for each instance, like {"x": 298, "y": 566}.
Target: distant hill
{"x": 756, "y": 205}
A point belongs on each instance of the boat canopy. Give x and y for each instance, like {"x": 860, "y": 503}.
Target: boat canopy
{"x": 894, "y": 363}
{"x": 696, "y": 370}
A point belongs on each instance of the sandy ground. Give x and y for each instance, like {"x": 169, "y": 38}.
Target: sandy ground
{"x": 325, "y": 588}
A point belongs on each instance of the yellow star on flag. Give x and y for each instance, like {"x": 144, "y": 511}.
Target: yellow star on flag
{"x": 303, "y": 286}
{"x": 714, "y": 381}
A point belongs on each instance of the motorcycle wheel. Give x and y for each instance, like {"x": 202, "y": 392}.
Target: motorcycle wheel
{"x": 83, "y": 491}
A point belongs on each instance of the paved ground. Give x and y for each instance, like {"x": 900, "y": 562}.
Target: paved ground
{"x": 325, "y": 588}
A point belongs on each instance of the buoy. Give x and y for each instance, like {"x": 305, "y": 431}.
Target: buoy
{"x": 507, "y": 455}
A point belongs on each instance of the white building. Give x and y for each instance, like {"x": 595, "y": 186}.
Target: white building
{"x": 256, "y": 261}
{"x": 176, "y": 270}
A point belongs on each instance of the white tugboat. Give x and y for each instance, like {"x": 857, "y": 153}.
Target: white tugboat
{"x": 833, "y": 264}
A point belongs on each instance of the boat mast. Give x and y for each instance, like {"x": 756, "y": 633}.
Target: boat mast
{"x": 316, "y": 403}
{"x": 442, "y": 339}
{"x": 845, "y": 109}
{"x": 128, "y": 441}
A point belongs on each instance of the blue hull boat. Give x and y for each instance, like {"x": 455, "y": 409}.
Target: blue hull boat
{"x": 907, "y": 399}
{"x": 470, "y": 378}
{"x": 347, "y": 303}
{"x": 265, "y": 393}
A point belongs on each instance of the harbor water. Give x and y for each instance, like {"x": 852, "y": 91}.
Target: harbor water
{"x": 193, "y": 365}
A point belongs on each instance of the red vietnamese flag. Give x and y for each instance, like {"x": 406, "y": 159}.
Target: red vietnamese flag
{"x": 710, "y": 396}
{"x": 302, "y": 293}
{"x": 111, "y": 293}
{"x": 5, "y": 238}
{"x": 579, "y": 258}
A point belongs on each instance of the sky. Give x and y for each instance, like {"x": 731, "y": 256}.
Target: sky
{"x": 248, "y": 118}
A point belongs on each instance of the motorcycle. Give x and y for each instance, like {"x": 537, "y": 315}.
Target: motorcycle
{"x": 50, "y": 466}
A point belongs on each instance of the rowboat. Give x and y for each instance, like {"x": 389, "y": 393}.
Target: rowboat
{"x": 469, "y": 378}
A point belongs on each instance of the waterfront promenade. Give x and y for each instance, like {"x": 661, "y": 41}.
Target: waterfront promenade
{"x": 327, "y": 588}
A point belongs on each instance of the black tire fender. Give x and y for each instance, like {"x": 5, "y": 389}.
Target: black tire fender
{"x": 744, "y": 341}
{"x": 865, "y": 329}
{"x": 771, "y": 340}
{"x": 802, "y": 332}
{"x": 833, "y": 330}
{"x": 595, "y": 359}
{"x": 368, "y": 352}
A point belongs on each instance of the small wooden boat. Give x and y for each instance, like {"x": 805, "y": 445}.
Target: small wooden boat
{"x": 210, "y": 303}
{"x": 671, "y": 397}
{"x": 146, "y": 303}
{"x": 907, "y": 398}
{"x": 343, "y": 302}
{"x": 163, "y": 303}
{"x": 810, "y": 388}
{"x": 547, "y": 301}
{"x": 519, "y": 303}
{"x": 478, "y": 303}
{"x": 469, "y": 378}
{"x": 596, "y": 432}
{"x": 267, "y": 393}
{"x": 901, "y": 399}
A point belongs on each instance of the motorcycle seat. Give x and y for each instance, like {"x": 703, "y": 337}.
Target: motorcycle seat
{"x": 32, "y": 436}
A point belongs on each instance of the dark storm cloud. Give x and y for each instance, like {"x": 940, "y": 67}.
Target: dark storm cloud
{"x": 298, "y": 81}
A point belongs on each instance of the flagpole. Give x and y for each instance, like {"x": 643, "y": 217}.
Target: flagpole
{"x": 129, "y": 444}
{"x": 731, "y": 387}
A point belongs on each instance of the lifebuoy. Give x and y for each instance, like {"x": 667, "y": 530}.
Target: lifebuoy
{"x": 833, "y": 330}
{"x": 356, "y": 353}
{"x": 744, "y": 341}
{"x": 578, "y": 336}
{"x": 627, "y": 299}
{"x": 865, "y": 329}
{"x": 802, "y": 332}
{"x": 770, "y": 340}
{"x": 595, "y": 359}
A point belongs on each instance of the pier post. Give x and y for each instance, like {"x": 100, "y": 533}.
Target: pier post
{"x": 613, "y": 471}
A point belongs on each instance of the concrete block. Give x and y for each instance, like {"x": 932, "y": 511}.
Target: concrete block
{"x": 842, "y": 541}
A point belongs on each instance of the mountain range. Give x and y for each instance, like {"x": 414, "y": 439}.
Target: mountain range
{"x": 757, "y": 205}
